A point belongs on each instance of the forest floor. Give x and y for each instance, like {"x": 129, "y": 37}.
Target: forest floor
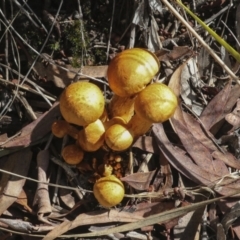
{"x": 181, "y": 177}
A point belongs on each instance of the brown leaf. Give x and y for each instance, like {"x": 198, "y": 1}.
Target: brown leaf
{"x": 63, "y": 78}
{"x": 23, "y": 201}
{"x": 194, "y": 148}
{"x": 184, "y": 165}
{"x": 233, "y": 118}
{"x": 104, "y": 216}
{"x": 41, "y": 198}
{"x": 166, "y": 172}
{"x": 227, "y": 158}
{"x": 36, "y": 130}
{"x": 174, "y": 82}
{"x": 18, "y": 225}
{"x": 177, "y": 53}
{"x": 197, "y": 131}
{"x": 146, "y": 143}
{"x": 11, "y": 186}
{"x": 67, "y": 197}
{"x": 215, "y": 109}
{"x": 188, "y": 225}
{"x": 142, "y": 210}
{"x": 218, "y": 165}
{"x": 233, "y": 97}
{"x": 189, "y": 82}
{"x": 199, "y": 153}
{"x": 139, "y": 180}
{"x": 179, "y": 160}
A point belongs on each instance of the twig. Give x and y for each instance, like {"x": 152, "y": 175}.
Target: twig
{"x": 6, "y": 42}
{"x": 25, "y": 103}
{"x": 110, "y": 30}
{"x": 47, "y": 183}
{"x": 24, "y": 77}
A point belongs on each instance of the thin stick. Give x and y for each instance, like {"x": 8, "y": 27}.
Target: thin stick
{"x": 199, "y": 38}
{"x": 110, "y": 30}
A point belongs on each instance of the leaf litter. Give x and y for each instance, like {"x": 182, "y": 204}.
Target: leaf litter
{"x": 191, "y": 160}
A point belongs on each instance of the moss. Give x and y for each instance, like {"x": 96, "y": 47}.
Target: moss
{"x": 77, "y": 42}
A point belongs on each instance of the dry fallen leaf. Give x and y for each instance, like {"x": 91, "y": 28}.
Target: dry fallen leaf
{"x": 139, "y": 180}
{"x": 42, "y": 199}
{"x": 146, "y": 143}
{"x": 11, "y": 186}
{"x": 36, "y": 130}
{"x": 141, "y": 211}
{"x": 63, "y": 78}
{"x": 179, "y": 160}
{"x": 23, "y": 201}
{"x": 215, "y": 109}
{"x": 233, "y": 118}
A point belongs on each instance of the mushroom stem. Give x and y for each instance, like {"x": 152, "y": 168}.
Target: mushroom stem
{"x": 115, "y": 120}
{"x": 60, "y": 128}
{"x": 104, "y": 117}
{"x": 121, "y": 107}
{"x": 138, "y": 126}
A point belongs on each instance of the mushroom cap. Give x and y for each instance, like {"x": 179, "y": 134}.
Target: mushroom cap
{"x": 81, "y": 103}
{"x": 72, "y": 154}
{"x": 131, "y": 70}
{"x": 156, "y": 103}
{"x": 59, "y": 128}
{"x": 118, "y": 137}
{"x": 109, "y": 191}
{"x": 91, "y": 138}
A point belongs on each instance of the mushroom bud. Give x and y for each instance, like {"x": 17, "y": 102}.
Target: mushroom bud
{"x": 118, "y": 137}
{"x": 109, "y": 191}
{"x": 156, "y": 103}
{"x": 81, "y": 103}
{"x": 72, "y": 154}
{"x": 91, "y": 137}
{"x": 131, "y": 70}
{"x": 60, "y": 128}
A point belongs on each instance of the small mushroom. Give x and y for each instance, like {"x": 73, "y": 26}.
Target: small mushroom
{"x": 108, "y": 190}
{"x": 131, "y": 70}
{"x": 118, "y": 137}
{"x": 60, "y": 128}
{"x": 156, "y": 103}
{"x": 91, "y": 137}
{"x": 82, "y": 103}
{"x": 72, "y": 154}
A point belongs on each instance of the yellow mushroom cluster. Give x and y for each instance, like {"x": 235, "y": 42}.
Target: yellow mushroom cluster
{"x": 135, "y": 105}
